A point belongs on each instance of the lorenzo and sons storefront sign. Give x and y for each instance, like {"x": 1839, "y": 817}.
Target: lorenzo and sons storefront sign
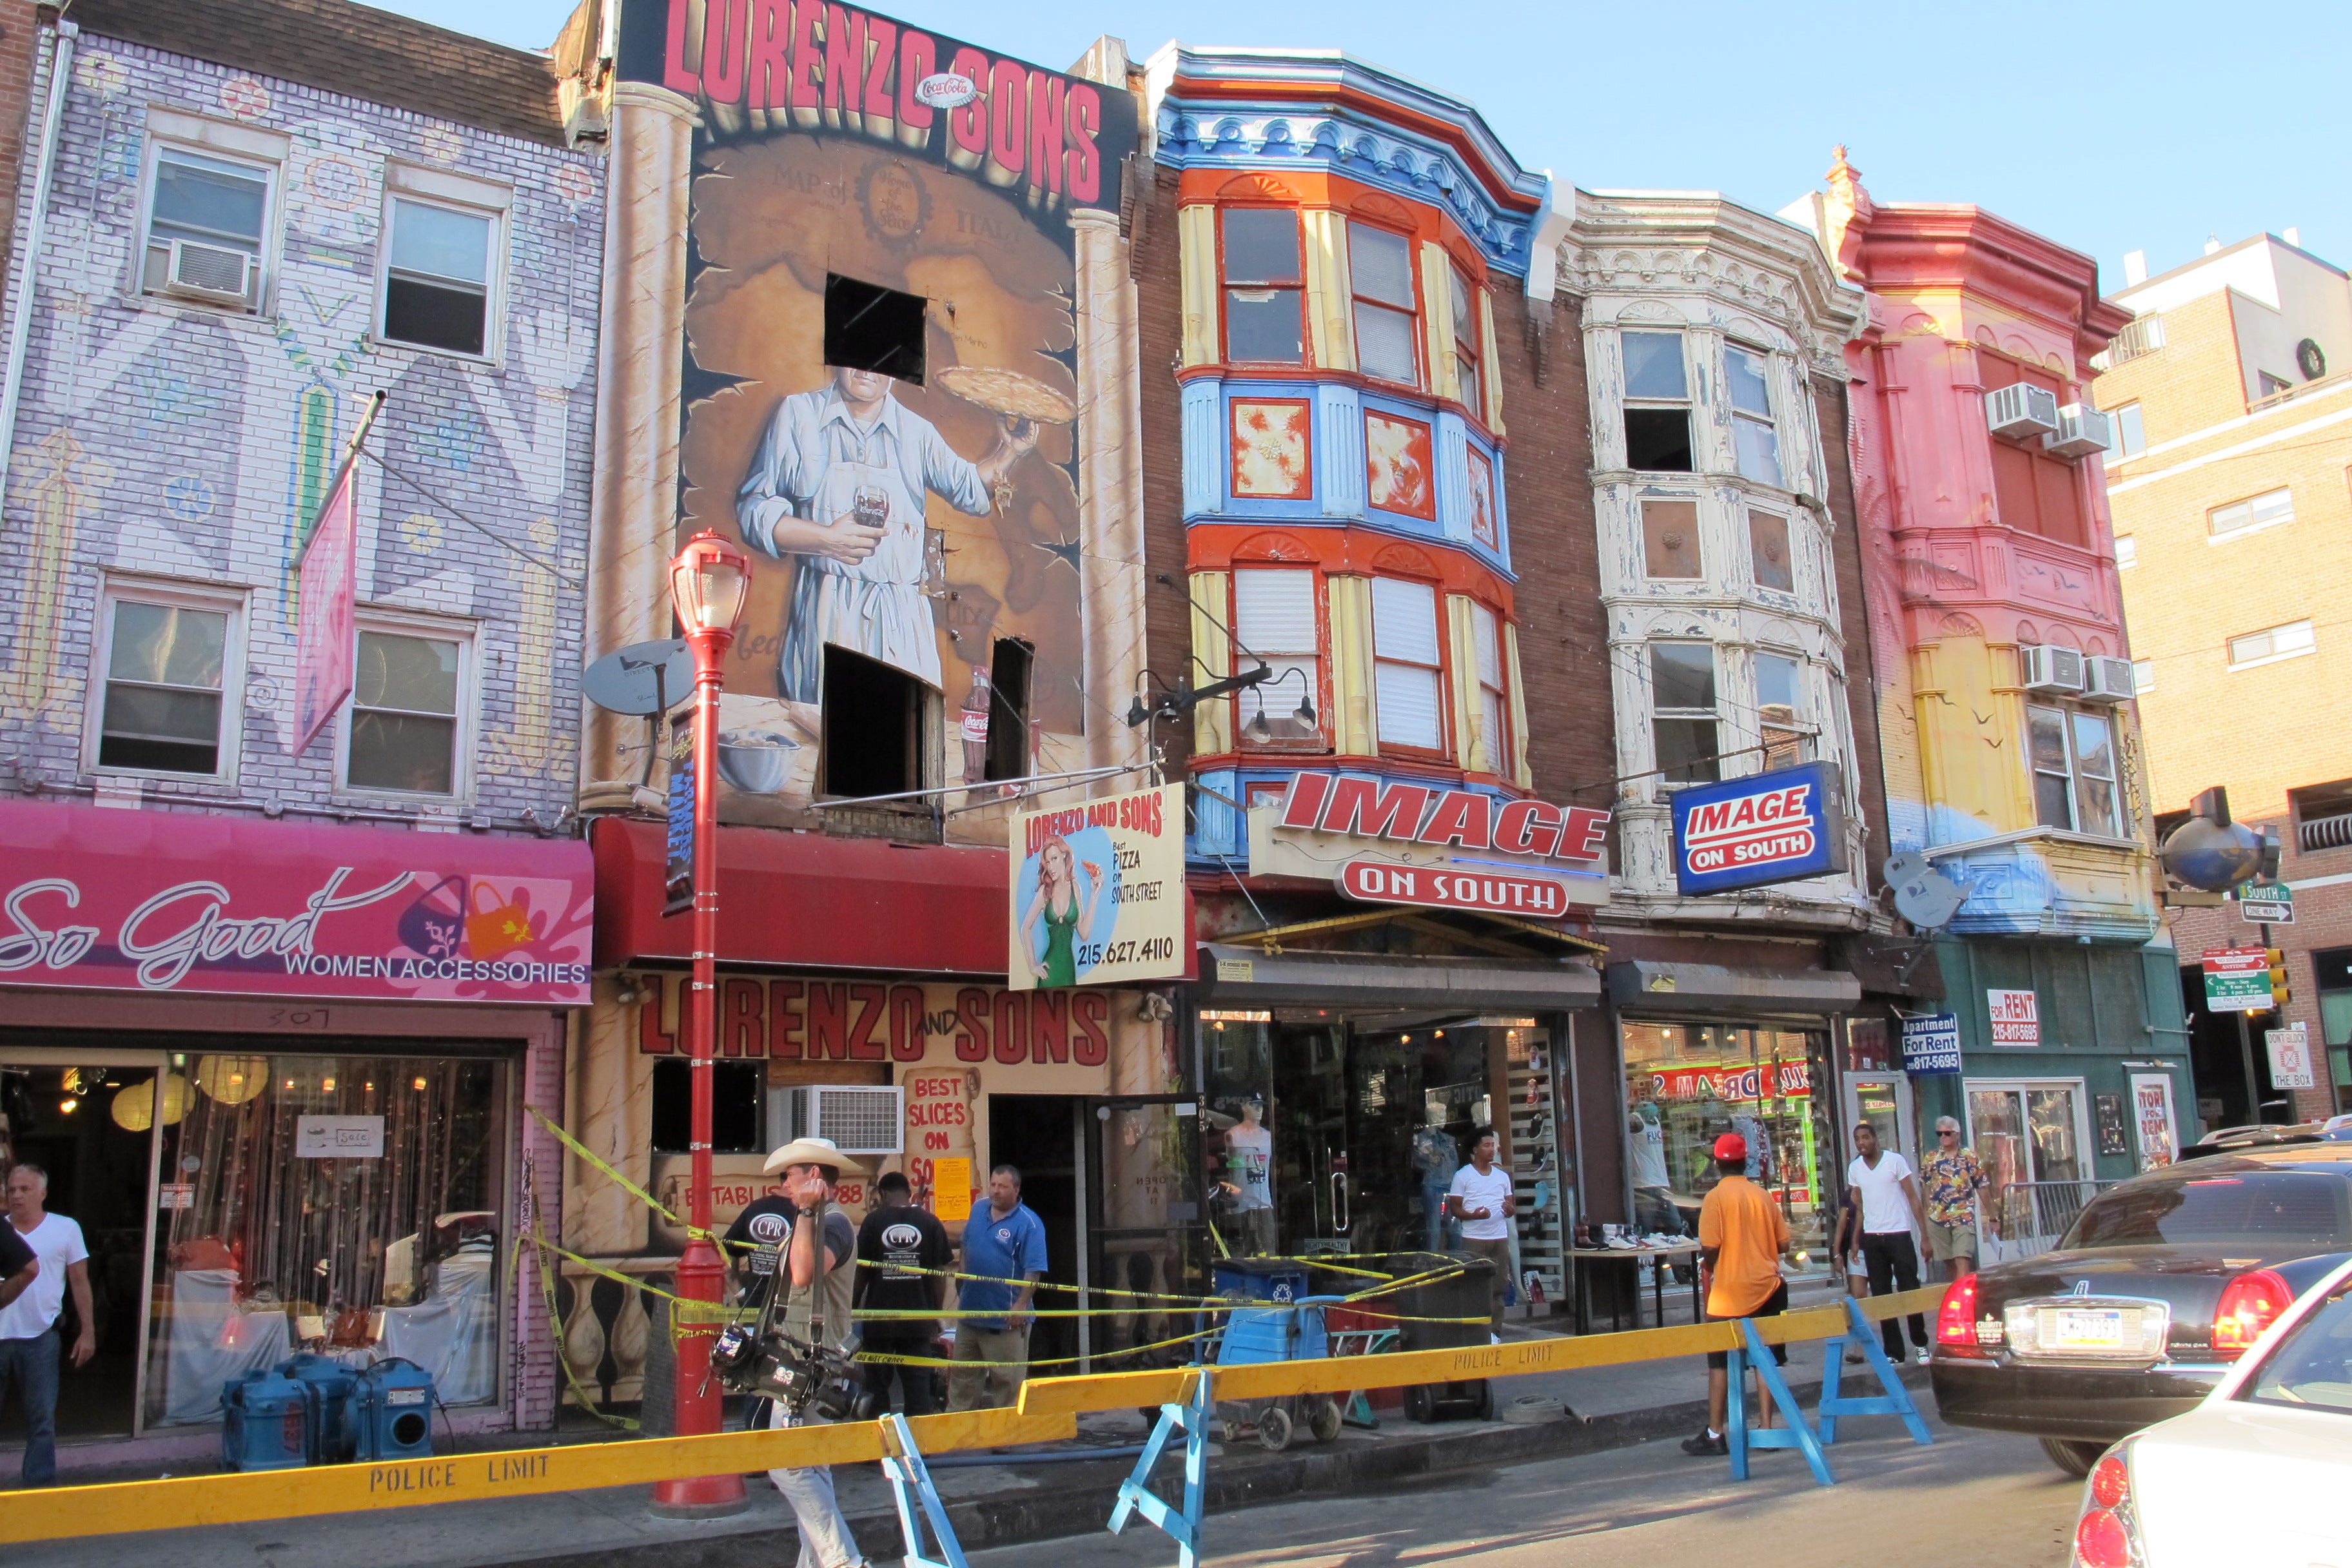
{"x": 1402, "y": 843}
{"x": 175, "y": 902}
{"x": 1780, "y": 827}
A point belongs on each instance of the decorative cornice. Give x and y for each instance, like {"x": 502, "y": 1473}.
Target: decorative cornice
{"x": 1270, "y": 110}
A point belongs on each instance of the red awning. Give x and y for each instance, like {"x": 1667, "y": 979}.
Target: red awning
{"x": 182, "y": 901}
{"x": 809, "y": 901}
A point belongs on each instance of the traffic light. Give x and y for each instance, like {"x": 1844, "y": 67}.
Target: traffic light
{"x": 2280, "y": 995}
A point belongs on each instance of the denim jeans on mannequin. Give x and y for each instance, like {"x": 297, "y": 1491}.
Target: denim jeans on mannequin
{"x": 826, "y": 1541}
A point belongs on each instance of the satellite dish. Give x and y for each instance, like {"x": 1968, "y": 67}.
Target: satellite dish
{"x": 1923, "y": 894}
{"x": 645, "y": 679}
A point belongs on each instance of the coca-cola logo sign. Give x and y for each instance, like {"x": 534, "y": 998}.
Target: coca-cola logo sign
{"x": 946, "y": 90}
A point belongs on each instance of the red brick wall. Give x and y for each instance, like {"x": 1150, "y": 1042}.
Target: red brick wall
{"x": 1160, "y": 334}
{"x": 19, "y": 33}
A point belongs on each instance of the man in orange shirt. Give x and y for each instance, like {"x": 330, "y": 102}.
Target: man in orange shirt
{"x": 1741, "y": 1236}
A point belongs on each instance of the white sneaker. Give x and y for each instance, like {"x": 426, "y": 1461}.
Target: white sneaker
{"x": 1920, "y": 1356}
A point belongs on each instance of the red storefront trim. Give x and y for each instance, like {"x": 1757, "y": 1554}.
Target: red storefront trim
{"x": 809, "y": 901}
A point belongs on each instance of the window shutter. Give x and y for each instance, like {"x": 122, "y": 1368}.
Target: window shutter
{"x": 1274, "y": 611}
{"x": 1404, "y": 621}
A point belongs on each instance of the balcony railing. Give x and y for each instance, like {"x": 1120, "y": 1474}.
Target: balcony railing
{"x": 2143, "y": 336}
{"x": 2316, "y": 832}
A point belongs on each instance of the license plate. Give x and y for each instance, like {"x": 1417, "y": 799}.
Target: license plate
{"x": 2096, "y": 1329}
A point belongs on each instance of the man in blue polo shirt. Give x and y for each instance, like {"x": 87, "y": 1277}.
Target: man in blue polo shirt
{"x": 1003, "y": 1243}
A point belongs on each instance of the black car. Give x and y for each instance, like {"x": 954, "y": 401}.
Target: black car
{"x": 2160, "y": 1283}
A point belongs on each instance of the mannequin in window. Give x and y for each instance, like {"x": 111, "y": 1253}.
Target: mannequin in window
{"x": 1437, "y": 1157}
{"x": 1653, "y": 1196}
{"x": 1249, "y": 1164}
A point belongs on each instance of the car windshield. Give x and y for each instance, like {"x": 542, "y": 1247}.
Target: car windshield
{"x": 2312, "y": 1367}
{"x": 2289, "y": 1207}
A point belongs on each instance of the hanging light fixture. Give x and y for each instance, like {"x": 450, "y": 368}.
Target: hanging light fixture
{"x": 134, "y": 1107}
{"x": 233, "y": 1080}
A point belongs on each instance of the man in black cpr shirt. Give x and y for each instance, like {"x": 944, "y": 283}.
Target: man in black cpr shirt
{"x": 897, "y": 1240}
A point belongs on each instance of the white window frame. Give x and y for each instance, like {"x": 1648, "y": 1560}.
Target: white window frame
{"x": 2137, "y": 420}
{"x": 2116, "y": 827}
{"x": 1687, "y": 403}
{"x": 1466, "y": 299}
{"x": 466, "y": 634}
{"x": 1693, "y": 715}
{"x": 1789, "y": 531}
{"x": 1495, "y": 725}
{"x": 1769, "y": 420}
{"x": 458, "y": 193}
{"x": 1442, "y": 676}
{"x": 2126, "y": 552}
{"x": 1415, "y": 314}
{"x": 2143, "y": 676}
{"x": 2252, "y": 525}
{"x": 1802, "y": 726}
{"x": 234, "y": 602}
{"x": 1276, "y": 696}
{"x": 2310, "y": 646}
{"x": 227, "y": 141}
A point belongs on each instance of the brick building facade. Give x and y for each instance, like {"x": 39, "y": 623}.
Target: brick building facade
{"x": 258, "y": 216}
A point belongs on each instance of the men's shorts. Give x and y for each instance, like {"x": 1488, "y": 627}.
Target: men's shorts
{"x": 1946, "y": 1242}
{"x": 1772, "y": 1306}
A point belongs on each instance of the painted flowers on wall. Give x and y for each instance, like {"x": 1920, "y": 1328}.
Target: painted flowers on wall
{"x": 1271, "y": 458}
{"x": 1399, "y": 472}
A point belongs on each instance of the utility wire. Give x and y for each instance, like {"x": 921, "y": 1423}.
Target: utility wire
{"x": 577, "y": 584}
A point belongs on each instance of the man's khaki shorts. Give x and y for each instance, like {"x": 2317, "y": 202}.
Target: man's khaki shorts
{"x": 1946, "y": 1242}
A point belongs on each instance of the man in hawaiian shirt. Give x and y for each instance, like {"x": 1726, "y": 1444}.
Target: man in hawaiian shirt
{"x": 1951, "y": 1176}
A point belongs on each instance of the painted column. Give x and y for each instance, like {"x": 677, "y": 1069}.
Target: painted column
{"x": 1111, "y": 486}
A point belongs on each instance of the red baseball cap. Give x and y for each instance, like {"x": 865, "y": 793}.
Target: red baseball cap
{"x": 1731, "y": 1146}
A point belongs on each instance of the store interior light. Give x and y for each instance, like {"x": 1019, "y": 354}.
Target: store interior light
{"x": 418, "y": 1084}
{"x": 69, "y": 1106}
{"x": 327, "y": 1084}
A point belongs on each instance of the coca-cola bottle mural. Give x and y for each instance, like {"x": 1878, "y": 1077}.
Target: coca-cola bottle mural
{"x": 975, "y": 726}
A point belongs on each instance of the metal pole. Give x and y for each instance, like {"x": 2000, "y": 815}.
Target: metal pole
{"x": 2246, "y": 1054}
{"x": 701, "y": 1272}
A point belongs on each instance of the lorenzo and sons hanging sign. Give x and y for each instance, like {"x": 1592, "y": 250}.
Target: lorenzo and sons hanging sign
{"x": 177, "y": 903}
{"x": 1402, "y": 843}
{"x": 1780, "y": 827}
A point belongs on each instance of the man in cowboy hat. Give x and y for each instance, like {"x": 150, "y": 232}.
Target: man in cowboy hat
{"x": 810, "y": 1169}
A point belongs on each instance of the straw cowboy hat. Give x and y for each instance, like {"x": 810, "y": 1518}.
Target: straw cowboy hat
{"x": 813, "y": 1152}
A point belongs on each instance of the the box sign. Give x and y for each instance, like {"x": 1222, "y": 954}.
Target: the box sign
{"x": 2290, "y": 1050}
{"x": 1931, "y": 1045}
{"x": 2237, "y": 979}
{"x": 1780, "y": 827}
{"x": 1401, "y": 842}
{"x": 1379, "y": 882}
{"x": 1099, "y": 892}
{"x": 2015, "y": 1016}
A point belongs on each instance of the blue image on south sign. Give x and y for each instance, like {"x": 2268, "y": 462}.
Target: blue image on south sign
{"x": 1058, "y": 933}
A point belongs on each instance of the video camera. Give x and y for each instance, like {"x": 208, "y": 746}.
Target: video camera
{"x": 761, "y": 1359}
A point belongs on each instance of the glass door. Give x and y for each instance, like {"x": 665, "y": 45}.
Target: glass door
{"x": 1884, "y": 1099}
{"x": 2029, "y": 1138}
{"x": 1145, "y": 1229}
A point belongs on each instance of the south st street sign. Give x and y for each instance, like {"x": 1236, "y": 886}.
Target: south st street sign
{"x": 1402, "y": 843}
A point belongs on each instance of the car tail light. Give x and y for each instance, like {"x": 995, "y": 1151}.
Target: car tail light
{"x": 2107, "y": 1532}
{"x": 2249, "y": 1303}
{"x": 1956, "y": 1319}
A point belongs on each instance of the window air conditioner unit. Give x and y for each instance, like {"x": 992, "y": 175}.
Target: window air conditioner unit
{"x": 2107, "y": 680}
{"x": 2049, "y": 667}
{"x": 2082, "y": 430}
{"x": 860, "y": 1118}
{"x": 209, "y": 272}
{"x": 2021, "y": 411}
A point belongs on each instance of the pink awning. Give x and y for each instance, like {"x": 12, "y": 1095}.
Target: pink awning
{"x": 161, "y": 902}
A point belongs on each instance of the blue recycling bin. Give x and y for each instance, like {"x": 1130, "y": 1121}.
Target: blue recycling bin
{"x": 1260, "y": 1278}
{"x": 265, "y": 1423}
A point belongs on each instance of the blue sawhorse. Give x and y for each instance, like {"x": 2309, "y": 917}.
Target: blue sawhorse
{"x": 1135, "y": 1494}
{"x": 910, "y": 1485}
{"x": 1895, "y": 1401}
{"x": 1797, "y": 1434}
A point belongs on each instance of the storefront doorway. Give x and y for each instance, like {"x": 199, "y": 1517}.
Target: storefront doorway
{"x": 1145, "y": 1225}
{"x": 1689, "y": 1081}
{"x": 1038, "y": 1133}
{"x": 2031, "y": 1138}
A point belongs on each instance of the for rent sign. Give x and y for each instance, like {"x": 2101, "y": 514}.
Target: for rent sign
{"x": 1780, "y": 827}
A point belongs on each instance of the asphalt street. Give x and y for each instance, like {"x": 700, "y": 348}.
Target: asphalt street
{"x": 1978, "y": 1498}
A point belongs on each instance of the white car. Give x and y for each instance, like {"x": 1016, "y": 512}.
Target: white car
{"x": 2255, "y": 1476}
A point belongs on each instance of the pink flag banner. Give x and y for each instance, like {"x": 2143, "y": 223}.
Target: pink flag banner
{"x": 329, "y": 589}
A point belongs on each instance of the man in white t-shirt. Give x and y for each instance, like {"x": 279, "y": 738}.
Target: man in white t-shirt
{"x": 28, "y": 1342}
{"x": 1886, "y": 1195}
{"x": 1481, "y": 1199}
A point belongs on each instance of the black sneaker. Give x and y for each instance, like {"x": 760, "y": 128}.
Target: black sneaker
{"x": 1702, "y": 1447}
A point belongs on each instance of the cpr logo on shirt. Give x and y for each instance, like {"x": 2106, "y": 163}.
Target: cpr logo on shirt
{"x": 769, "y": 1228}
{"x": 902, "y": 1236}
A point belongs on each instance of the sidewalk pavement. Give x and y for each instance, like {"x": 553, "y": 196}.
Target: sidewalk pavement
{"x": 1011, "y": 1501}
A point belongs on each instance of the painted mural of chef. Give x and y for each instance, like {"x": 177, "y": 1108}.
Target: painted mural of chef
{"x": 838, "y": 484}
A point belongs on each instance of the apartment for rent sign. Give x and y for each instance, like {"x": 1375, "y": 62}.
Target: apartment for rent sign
{"x": 1780, "y": 827}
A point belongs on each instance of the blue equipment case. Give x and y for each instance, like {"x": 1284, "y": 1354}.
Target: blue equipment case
{"x": 391, "y": 1413}
{"x": 266, "y": 1422}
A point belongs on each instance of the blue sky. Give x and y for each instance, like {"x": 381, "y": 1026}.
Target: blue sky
{"x": 2108, "y": 129}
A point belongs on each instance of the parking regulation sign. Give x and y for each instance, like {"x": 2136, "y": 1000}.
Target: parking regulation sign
{"x": 2237, "y": 979}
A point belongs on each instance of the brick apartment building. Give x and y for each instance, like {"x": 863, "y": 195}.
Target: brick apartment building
{"x": 2230, "y": 393}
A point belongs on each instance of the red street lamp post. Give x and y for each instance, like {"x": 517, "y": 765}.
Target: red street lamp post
{"x": 709, "y": 582}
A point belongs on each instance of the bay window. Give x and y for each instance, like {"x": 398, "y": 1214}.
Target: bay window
{"x": 1264, "y": 284}
{"x": 1670, "y": 546}
{"x": 2072, "y": 753}
{"x": 1493, "y": 708}
{"x": 1657, "y": 402}
{"x": 1768, "y": 551}
{"x": 1380, "y": 270}
{"x": 1408, "y": 668}
{"x": 1781, "y": 709}
{"x": 1465, "y": 342}
{"x": 1756, "y": 441}
{"x": 1275, "y": 619}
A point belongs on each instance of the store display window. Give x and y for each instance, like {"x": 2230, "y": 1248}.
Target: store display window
{"x": 1687, "y": 1083}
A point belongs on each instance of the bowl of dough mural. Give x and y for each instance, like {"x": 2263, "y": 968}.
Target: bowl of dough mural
{"x": 755, "y": 760}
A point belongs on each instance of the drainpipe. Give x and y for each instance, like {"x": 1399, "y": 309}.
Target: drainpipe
{"x": 35, "y": 229}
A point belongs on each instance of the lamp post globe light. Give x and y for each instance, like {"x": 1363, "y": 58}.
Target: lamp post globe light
{"x": 709, "y": 582}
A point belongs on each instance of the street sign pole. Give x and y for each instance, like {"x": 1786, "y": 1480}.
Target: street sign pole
{"x": 2246, "y": 1054}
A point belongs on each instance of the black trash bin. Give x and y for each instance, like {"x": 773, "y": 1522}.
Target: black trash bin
{"x": 1462, "y": 1289}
